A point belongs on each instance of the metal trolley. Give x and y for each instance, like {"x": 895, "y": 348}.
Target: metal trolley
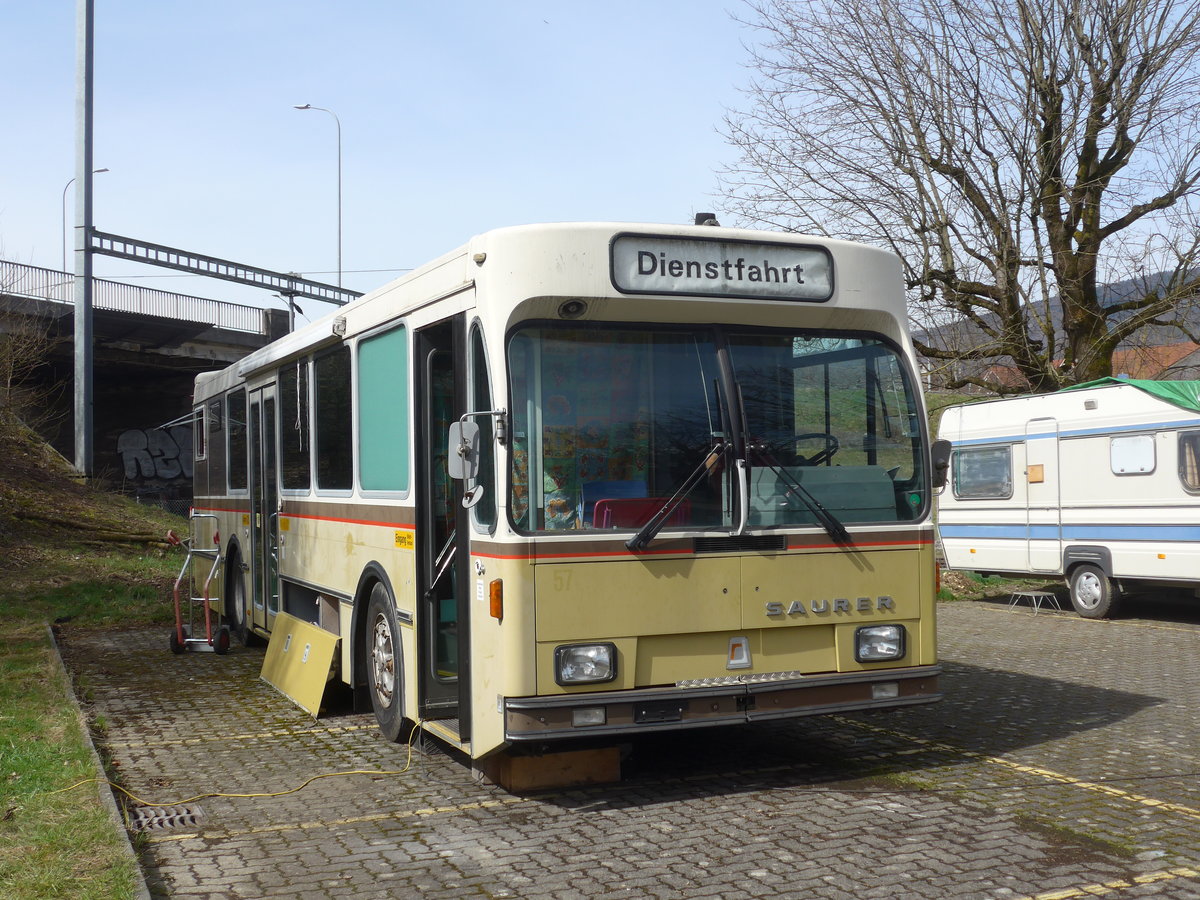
{"x": 216, "y": 632}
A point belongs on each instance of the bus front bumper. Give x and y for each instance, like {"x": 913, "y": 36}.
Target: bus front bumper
{"x": 727, "y": 703}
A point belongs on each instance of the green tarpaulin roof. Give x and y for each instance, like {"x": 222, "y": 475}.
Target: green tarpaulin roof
{"x": 1185, "y": 394}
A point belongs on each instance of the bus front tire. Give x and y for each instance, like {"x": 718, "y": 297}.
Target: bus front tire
{"x": 385, "y": 680}
{"x": 1093, "y": 594}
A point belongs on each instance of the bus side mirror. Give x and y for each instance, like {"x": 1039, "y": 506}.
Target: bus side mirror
{"x": 462, "y": 451}
{"x": 940, "y": 455}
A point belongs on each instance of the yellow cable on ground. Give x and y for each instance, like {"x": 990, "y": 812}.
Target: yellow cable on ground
{"x": 116, "y": 787}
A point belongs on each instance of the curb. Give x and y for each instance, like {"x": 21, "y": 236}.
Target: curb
{"x": 140, "y": 890}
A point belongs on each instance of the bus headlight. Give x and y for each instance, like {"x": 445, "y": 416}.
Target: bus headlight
{"x": 873, "y": 643}
{"x": 585, "y": 663}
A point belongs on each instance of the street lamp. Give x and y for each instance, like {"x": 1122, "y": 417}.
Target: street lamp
{"x": 64, "y": 210}
{"x": 339, "y": 182}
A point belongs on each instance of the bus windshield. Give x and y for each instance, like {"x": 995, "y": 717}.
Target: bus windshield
{"x": 612, "y": 422}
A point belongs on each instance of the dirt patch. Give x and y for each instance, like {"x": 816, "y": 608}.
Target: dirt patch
{"x": 56, "y": 529}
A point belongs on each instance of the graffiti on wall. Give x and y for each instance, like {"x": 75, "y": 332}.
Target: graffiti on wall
{"x": 156, "y": 454}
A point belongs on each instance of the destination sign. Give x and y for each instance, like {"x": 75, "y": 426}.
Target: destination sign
{"x": 642, "y": 264}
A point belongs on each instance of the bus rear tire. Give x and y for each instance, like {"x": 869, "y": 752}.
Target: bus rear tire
{"x": 381, "y": 651}
{"x": 1093, "y": 594}
{"x": 237, "y": 614}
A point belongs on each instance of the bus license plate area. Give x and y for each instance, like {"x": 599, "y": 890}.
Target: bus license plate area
{"x": 541, "y": 718}
{"x": 659, "y": 711}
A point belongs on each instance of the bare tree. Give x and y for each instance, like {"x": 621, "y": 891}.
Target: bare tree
{"x": 1018, "y": 155}
{"x": 25, "y": 345}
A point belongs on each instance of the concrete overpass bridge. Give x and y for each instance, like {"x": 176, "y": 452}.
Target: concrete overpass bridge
{"x": 149, "y": 346}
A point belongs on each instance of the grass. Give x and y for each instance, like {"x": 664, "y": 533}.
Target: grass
{"x": 56, "y": 841}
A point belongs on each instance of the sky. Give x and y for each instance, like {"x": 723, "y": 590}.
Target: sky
{"x": 457, "y": 116}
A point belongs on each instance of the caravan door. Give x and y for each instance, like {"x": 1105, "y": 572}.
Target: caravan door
{"x": 1043, "y": 523}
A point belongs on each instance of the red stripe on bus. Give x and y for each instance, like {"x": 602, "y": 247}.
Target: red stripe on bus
{"x": 288, "y": 515}
{"x": 908, "y": 545}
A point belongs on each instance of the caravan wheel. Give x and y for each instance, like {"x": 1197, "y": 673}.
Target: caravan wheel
{"x": 1093, "y": 594}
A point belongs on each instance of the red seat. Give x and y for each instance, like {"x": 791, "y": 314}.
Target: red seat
{"x": 636, "y": 512}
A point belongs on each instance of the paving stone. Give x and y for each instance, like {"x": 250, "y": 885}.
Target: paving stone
{"x": 1064, "y": 757}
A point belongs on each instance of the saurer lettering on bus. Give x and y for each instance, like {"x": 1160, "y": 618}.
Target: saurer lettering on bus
{"x": 840, "y": 605}
{"x": 731, "y": 270}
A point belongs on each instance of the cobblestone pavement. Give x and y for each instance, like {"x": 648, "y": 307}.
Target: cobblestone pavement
{"x": 1063, "y": 763}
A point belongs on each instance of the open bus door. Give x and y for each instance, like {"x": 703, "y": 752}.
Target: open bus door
{"x": 443, "y": 533}
{"x": 264, "y": 510}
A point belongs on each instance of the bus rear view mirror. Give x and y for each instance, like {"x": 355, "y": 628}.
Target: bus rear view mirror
{"x": 462, "y": 452}
{"x": 940, "y": 456}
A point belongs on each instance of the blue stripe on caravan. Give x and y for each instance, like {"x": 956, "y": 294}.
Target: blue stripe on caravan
{"x": 1162, "y": 533}
{"x": 982, "y": 531}
{"x": 1131, "y": 533}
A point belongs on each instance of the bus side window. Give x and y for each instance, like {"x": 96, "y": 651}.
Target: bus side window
{"x": 484, "y": 512}
{"x": 200, "y": 432}
{"x": 235, "y": 418}
{"x": 294, "y": 441}
{"x": 383, "y": 414}
{"x": 331, "y": 377}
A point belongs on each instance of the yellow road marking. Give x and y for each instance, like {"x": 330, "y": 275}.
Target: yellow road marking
{"x": 1107, "y": 887}
{"x": 1048, "y": 774}
{"x": 351, "y": 820}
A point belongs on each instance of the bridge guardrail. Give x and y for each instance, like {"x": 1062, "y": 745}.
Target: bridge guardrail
{"x": 20, "y": 280}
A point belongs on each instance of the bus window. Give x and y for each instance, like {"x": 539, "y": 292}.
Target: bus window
{"x": 611, "y": 414}
{"x": 484, "y": 512}
{"x": 383, "y": 411}
{"x": 836, "y": 414}
{"x": 618, "y": 419}
{"x": 331, "y": 376}
{"x": 236, "y": 436}
{"x": 200, "y": 432}
{"x": 294, "y": 438}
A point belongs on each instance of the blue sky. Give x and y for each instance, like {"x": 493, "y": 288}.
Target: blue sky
{"x": 457, "y": 116}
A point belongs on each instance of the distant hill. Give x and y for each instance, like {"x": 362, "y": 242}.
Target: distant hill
{"x": 1155, "y": 351}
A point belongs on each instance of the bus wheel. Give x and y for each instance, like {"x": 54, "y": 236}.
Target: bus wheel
{"x": 1093, "y": 594}
{"x": 384, "y": 676}
{"x": 236, "y": 613}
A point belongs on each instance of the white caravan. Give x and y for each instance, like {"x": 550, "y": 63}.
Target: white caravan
{"x": 1098, "y": 483}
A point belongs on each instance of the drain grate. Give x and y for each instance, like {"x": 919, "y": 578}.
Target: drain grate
{"x": 164, "y": 818}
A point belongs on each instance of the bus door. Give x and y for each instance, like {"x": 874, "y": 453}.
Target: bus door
{"x": 264, "y": 509}
{"x": 442, "y": 531}
{"x": 1043, "y": 507}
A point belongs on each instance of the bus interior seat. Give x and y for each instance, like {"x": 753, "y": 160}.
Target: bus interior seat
{"x": 634, "y": 512}
{"x": 610, "y": 490}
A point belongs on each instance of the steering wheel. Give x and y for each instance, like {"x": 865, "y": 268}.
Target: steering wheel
{"x": 824, "y": 454}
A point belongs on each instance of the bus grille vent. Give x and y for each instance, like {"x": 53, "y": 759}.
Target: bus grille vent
{"x": 746, "y": 543}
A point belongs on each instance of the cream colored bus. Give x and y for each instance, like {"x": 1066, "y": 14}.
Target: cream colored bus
{"x": 589, "y": 480}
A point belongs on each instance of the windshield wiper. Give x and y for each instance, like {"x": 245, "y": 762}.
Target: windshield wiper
{"x": 828, "y": 520}
{"x": 643, "y": 538}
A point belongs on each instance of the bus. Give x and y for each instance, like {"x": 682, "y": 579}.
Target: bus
{"x": 585, "y": 481}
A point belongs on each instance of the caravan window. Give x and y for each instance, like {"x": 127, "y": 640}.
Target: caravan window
{"x": 1132, "y": 455}
{"x": 983, "y": 473}
{"x": 1189, "y": 459}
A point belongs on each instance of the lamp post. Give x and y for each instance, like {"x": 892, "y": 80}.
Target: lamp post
{"x": 64, "y": 210}
{"x": 339, "y": 182}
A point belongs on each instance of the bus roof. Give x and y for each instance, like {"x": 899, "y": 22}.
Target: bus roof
{"x": 580, "y": 259}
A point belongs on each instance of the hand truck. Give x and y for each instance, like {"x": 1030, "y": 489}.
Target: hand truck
{"x": 216, "y": 633}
